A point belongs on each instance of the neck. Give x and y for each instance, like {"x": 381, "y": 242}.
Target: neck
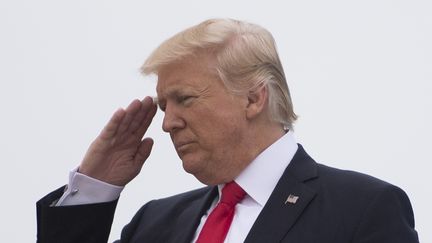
{"x": 266, "y": 136}
{"x": 258, "y": 140}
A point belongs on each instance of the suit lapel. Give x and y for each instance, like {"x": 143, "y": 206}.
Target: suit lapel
{"x": 190, "y": 217}
{"x": 280, "y": 214}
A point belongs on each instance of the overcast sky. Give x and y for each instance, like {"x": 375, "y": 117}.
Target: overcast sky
{"x": 360, "y": 74}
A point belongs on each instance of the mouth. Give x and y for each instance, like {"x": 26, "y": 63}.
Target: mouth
{"x": 182, "y": 146}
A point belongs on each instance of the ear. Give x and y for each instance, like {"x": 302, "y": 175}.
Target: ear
{"x": 257, "y": 101}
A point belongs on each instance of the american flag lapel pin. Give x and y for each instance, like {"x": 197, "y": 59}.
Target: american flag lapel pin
{"x": 292, "y": 199}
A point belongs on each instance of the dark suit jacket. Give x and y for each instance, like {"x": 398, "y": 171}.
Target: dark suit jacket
{"x": 334, "y": 206}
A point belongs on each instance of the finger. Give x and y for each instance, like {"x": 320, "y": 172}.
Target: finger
{"x": 140, "y": 116}
{"x": 143, "y": 151}
{"x": 131, "y": 111}
{"x": 113, "y": 124}
{"x": 146, "y": 122}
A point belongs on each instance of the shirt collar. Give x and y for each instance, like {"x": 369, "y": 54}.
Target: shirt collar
{"x": 260, "y": 177}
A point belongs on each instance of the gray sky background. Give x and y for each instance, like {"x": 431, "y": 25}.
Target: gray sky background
{"x": 360, "y": 74}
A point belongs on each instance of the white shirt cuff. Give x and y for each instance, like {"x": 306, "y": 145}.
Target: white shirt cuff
{"x": 83, "y": 189}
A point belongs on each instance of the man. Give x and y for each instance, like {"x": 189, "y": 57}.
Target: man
{"x": 228, "y": 111}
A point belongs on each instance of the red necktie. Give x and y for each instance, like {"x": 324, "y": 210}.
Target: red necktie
{"x": 218, "y": 222}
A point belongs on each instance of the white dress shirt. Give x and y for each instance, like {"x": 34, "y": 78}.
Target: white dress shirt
{"x": 258, "y": 180}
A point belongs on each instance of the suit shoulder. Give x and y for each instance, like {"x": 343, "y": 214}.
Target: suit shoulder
{"x": 355, "y": 184}
{"x": 369, "y": 203}
{"x": 349, "y": 178}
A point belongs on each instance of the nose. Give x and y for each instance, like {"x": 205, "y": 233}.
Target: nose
{"x": 172, "y": 119}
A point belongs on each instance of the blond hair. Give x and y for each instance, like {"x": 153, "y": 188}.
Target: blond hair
{"x": 246, "y": 59}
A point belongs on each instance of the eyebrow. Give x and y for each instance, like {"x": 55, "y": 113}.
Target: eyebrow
{"x": 173, "y": 91}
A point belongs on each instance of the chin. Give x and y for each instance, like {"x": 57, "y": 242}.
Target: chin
{"x": 196, "y": 168}
{"x": 190, "y": 165}
{"x": 205, "y": 177}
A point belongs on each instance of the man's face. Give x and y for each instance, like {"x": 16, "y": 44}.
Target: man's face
{"x": 206, "y": 123}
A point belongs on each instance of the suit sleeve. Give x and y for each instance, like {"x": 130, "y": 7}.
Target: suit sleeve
{"x": 388, "y": 218}
{"x": 89, "y": 223}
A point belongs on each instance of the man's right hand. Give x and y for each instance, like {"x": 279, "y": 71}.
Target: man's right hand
{"x": 118, "y": 153}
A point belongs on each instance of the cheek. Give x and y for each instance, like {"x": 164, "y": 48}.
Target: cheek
{"x": 224, "y": 138}
{"x": 217, "y": 128}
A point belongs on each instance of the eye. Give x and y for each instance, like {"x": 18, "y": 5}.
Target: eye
{"x": 185, "y": 99}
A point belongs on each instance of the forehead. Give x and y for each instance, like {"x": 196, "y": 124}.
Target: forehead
{"x": 190, "y": 73}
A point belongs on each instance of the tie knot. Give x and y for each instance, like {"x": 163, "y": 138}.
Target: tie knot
{"x": 232, "y": 194}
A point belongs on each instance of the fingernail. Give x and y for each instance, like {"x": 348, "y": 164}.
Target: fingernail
{"x": 155, "y": 100}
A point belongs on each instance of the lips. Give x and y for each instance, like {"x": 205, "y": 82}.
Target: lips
{"x": 179, "y": 146}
